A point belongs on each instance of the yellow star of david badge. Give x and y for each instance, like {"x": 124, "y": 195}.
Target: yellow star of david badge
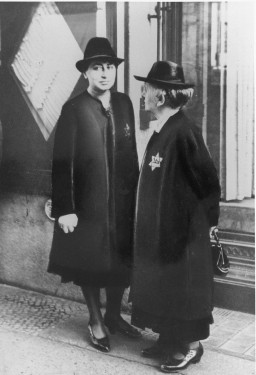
{"x": 127, "y": 131}
{"x": 155, "y": 162}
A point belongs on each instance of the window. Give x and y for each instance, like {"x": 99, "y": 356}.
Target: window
{"x": 43, "y": 65}
{"x": 217, "y": 54}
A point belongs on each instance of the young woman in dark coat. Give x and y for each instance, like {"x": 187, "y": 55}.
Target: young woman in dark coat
{"x": 177, "y": 208}
{"x": 94, "y": 176}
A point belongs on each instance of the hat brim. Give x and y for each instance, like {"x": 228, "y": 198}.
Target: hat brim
{"x": 82, "y": 65}
{"x": 174, "y": 84}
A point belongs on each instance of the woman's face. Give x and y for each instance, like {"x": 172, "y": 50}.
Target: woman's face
{"x": 150, "y": 96}
{"x": 101, "y": 75}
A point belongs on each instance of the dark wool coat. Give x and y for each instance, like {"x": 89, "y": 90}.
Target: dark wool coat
{"x": 94, "y": 175}
{"x": 177, "y": 202}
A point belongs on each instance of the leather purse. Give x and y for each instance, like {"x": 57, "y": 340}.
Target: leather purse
{"x": 220, "y": 259}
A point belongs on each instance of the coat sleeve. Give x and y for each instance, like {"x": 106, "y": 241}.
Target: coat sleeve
{"x": 200, "y": 171}
{"x": 62, "y": 165}
{"x": 133, "y": 139}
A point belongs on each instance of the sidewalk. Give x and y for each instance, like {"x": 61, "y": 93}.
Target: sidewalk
{"x": 44, "y": 335}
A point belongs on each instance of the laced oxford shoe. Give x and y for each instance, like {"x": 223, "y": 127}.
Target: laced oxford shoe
{"x": 192, "y": 356}
{"x": 121, "y": 326}
{"x": 100, "y": 344}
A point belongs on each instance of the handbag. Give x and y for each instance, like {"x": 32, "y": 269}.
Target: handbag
{"x": 220, "y": 259}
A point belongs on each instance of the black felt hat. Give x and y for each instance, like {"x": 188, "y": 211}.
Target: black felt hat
{"x": 168, "y": 74}
{"x": 97, "y": 48}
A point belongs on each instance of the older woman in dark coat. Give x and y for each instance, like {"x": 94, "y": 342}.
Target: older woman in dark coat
{"x": 94, "y": 176}
{"x": 177, "y": 208}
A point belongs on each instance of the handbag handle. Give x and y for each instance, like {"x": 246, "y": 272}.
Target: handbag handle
{"x": 221, "y": 255}
{"x": 215, "y": 231}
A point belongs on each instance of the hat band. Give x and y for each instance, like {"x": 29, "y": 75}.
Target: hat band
{"x": 165, "y": 79}
{"x": 99, "y": 56}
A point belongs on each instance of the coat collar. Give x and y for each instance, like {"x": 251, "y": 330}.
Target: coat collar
{"x": 160, "y": 123}
{"x": 105, "y": 111}
{"x": 166, "y": 121}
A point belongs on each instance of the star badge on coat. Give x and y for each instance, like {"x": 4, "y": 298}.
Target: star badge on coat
{"x": 155, "y": 162}
{"x": 127, "y": 131}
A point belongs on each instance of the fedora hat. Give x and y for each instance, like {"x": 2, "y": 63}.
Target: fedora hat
{"x": 168, "y": 74}
{"x": 97, "y": 48}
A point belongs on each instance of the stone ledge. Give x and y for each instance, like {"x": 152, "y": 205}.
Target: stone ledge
{"x": 233, "y": 296}
{"x": 236, "y": 291}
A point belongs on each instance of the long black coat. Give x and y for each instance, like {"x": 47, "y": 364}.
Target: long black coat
{"x": 177, "y": 202}
{"x": 94, "y": 175}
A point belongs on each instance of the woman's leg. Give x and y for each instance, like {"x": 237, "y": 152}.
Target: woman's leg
{"x": 114, "y": 301}
{"x": 113, "y": 319}
{"x": 92, "y": 298}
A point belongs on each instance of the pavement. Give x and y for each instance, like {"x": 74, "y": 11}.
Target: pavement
{"x": 46, "y": 335}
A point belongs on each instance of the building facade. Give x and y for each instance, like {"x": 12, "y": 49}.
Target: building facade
{"x": 40, "y": 43}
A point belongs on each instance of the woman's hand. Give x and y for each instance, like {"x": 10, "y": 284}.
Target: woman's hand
{"x": 68, "y": 222}
{"x": 211, "y": 232}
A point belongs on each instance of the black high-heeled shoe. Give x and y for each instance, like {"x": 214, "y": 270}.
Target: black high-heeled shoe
{"x": 100, "y": 344}
{"x": 154, "y": 351}
{"x": 121, "y": 326}
{"x": 192, "y": 356}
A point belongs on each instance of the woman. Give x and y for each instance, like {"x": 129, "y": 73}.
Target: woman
{"x": 177, "y": 207}
{"x": 94, "y": 175}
